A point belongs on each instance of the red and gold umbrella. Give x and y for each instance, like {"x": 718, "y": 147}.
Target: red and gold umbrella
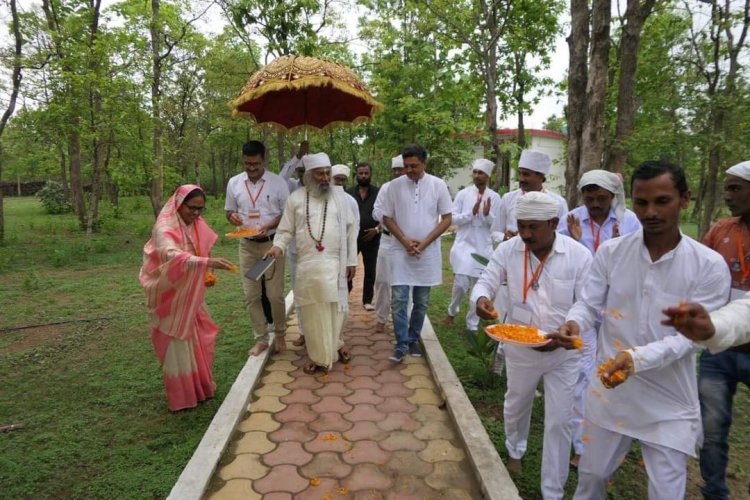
{"x": 295, "y": 91}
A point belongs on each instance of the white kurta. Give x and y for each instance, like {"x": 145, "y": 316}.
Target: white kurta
{"x": 506, "y": 219}
{"x": 382, "y": 288}
{"x": 416, "y": 207}
{"x": 589, "y": 233}
{"x": 659, "y": 402}
{"x": 473, "y": 233}
{"x": 732, "y": 323}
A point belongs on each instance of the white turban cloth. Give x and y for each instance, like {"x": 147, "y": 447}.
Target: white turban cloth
{"x": 397, "y": 162}
{"x": 316, "y": 160}
{"x": 483, "y": 165}
{"x": 741, "y": 170}
{"x": 536, "y": 205}
{"x": 535, "y": 160}
{"x": 340, "y": 170}
{"x": 609, "y": 181}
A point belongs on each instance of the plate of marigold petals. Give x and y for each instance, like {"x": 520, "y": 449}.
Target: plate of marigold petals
{"x": 242, "y": 233}
{"x": 520, "y": 335}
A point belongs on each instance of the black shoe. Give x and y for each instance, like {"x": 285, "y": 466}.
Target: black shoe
{"x": 414, "y": 350}
{"x": 397, "y": 357}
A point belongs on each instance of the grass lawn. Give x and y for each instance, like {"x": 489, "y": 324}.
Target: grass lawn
{"x": 78, "y": 371}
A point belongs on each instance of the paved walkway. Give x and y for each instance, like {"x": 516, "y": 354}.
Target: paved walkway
{"x": 368, "y": 429}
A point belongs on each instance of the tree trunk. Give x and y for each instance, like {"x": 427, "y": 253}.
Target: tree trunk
{"x": 635, "y": 16}
{"x": 280, "y": 148}
{"x": 95, "y": 98}
{"x": 76, "y": 184}
{"x": 157, "y": 182}
{"x": 593, "y": 138}
{"x": 519, "y": 60}
{"x": 714, "y": 161}
{"x": 63, "y": 170}
{"x": 578, "y": 46}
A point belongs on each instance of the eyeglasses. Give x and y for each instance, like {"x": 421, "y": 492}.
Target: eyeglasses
{"x": 196, "y": 210}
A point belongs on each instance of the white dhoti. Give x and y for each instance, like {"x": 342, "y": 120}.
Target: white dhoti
{"x": 605, "y": 451}
{"x": 291, "y": 264}
{"x": 382, "y": 289}
{"x": 559, "y": 369}
{"x": 323, "y": 323}
{"x": 462, "y": 285}
{"x": 587, "y": 364}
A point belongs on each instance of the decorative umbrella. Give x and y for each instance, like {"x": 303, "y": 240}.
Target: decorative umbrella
{"x": 295, "y": 91}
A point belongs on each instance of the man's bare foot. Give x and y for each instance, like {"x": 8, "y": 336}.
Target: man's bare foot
{"x": 299, "y": 342}
{"x": 280, "y": 344}
{"x": 448, "y": 320}
{"x": 379, "y": 327}
{"x": 514, "y": 465}
{"x": 258, "y": 348}
{"x": 575, "y": 461}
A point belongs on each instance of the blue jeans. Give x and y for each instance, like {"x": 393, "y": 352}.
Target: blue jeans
{"x": 717, "y": 384}
{"x": 408, "y": 329}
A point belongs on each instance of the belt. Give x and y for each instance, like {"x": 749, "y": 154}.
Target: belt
{"x": 260, "y": 240}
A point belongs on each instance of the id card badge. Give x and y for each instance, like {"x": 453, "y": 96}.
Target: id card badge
{"x": 521, "y": 314}
{"x": 253, "y": 218}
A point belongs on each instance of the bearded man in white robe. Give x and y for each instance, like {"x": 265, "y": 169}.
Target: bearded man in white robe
{"x": 321, "y": 222}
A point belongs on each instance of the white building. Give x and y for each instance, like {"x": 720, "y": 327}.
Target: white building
{"x": 546, "y": 141}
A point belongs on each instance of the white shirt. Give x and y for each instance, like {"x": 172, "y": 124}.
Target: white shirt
{"x": 589, "y": 233}
{"x": 560, "y": 282}
{"x": 732, "y": 323}
{"x": 268, "y": 196}
{"x": 386, "y": 240}
{"x": 417, "y": 207}
{"x": 286, "y": 173}
{"x": 659, "y": 402}
{"x": 506, "y": 220}
{"x": 355, "y": 207}
{"x": 473, "y": 233}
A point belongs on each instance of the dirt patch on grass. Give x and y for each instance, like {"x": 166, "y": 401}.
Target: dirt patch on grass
{"x": 16, "y": 341}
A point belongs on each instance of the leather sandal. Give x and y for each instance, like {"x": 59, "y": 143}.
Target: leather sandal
{"x": 311, "y": 368}
{"x": 344, "y": 355}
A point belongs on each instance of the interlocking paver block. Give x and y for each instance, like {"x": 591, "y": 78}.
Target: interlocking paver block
{"x": 366, "y": 452}
{"x": 363, "y": 361}
{"x": 271, "y": 390}
{"x": 399, "y": 421}
{"x": 335, "y": 404}
{"x": 292, "y": 431}
{"x": 394, "y": 389}
{"x": 408, "y": 463}
{"x": 382, "y": 355}
{"x": 456, "y": 494}
{"x": 254, "y": 442}
{"x": 277, "y": 378}
{"x": 324, "y": 443}
{"x": 425, "y": 397}
{"x": 296, "y": 412}
{"x": 362, "y": 371}
{"x": 451, "y": 475}
{"x": 277, "y": 495}
{"x": 365, "y": 430}
{"x": 286, "y": 356}
{"x": 365, "y": 412}
{"x": 330, "y": 421}
{"x": 402, "y": 440}
{"x": 258, "y": 422}
{"x": 270, "y": 404}
{"x": 414, "y": 369}
{"x": 368, "y": 477}
{"x": 439, "y": 450}
{"x": 327, "y": 488}
{"x": 363, "y": 396}
{"x": 281, "y": 478}
{"x": 237, "y": 489}
{"x": 326, "y": 464}
{"x": 421, "y": 382}
{"x": 435, "y": 430}
{"x": 365, "y": 341}
{"x": 428, "y": 413}
{"x": 363, "y": 383}
{"x": 391, "y": 376}
{"x": 303, "y": 396}
{"x": 360, "y": 350}
{"x": 287, "y": 453}
{"x": 333, "y": 389}
{"x": 411, "y": 488}
{"x": 397, "y": 405}
{"x": 305, "y": 382}
{"x": 338, "y": 375}
{"x": 280, "y": 365}
{"x": 244, "y": 466}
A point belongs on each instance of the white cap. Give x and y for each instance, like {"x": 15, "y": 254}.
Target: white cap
{"x": 741, "y": 170}
{"x": 535, "y": 160}
{"x": 397, "y": 162}
{"x": 609, "y": 181}
{"x": 316, "y": 160}
{"x": 483, "y": 165}
{"x": 536, "y": 205}
{"x": 340, "y": 170}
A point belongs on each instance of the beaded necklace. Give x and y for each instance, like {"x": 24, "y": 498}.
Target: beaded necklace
{"x": 318, "y": 241}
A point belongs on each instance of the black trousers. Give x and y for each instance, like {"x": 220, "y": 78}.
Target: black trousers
{"x": 370, "y": 259}
{"x": 265, "y": 302}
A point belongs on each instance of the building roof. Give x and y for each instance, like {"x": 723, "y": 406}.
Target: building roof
{"x": 511, "y": 132}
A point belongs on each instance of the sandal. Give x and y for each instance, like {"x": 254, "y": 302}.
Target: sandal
{"x": 344, "y": 355}
{"x": 299, "y": 342}
{"x": 311, "y": 368}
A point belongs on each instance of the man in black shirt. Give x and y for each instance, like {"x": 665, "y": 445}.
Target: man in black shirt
{"x": 368, "y": 239}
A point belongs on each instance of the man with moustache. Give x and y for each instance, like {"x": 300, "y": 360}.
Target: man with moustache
{"x": 368, "y": 239}
{"x": 474, "y": 211}
{"x": 322, "y": 224}
{"x": 656, "y": 399}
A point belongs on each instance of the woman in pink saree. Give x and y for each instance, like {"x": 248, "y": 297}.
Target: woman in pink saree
{"x": 175, "y": 264}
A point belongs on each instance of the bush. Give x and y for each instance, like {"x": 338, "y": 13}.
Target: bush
{"x": 54, "y": 199}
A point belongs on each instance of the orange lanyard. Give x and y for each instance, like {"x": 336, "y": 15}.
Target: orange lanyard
{"x": 597, "y": 235}
{"x": 253, "y": 200}
{"x": 534, "y": 276}
{"x": 741, "y": 255}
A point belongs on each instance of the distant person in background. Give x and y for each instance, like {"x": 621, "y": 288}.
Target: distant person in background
{"x": 176, "y": 261}
{"x": 293, "y": 170}
{"x": 340, "y": 178}
{"x": 368, "y": 240}
{"x": 474, "y": 211}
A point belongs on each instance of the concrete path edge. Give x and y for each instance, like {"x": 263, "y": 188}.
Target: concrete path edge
{"x": 491, "y": 473}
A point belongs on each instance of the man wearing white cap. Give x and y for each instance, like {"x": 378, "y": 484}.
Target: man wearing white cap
{"x": 602, "y": 216}
{"x": 411, "y": 209}
{"x": 382, "y": 288}
{"x": 545, "y": 272}
{"x": 533, "y": 166}
{"x": 340, "y": 176}
{"x": 474, "y": 210}
{"x": 654, "y": 398}
{"x": 320, "y": 220}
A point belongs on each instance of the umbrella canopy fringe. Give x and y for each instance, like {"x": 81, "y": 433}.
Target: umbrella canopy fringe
{"x": 283, "y": 128}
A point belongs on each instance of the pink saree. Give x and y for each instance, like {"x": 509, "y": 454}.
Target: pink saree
{"x": 182, "y": 332}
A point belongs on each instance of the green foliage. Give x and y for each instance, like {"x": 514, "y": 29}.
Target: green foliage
{"x": 482, "y": 348}
{"x": 54, "y": 198}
